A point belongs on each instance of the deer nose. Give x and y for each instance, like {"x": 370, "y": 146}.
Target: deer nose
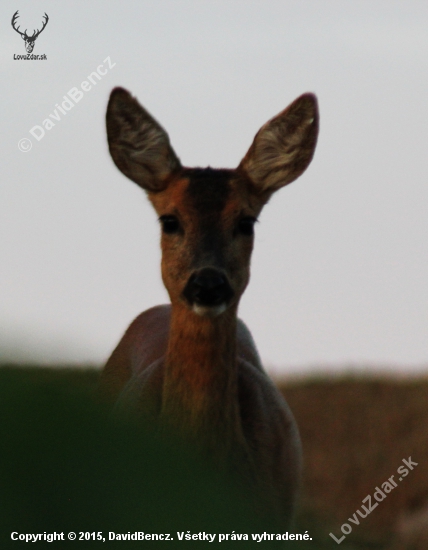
{"x": 208, "y": 287}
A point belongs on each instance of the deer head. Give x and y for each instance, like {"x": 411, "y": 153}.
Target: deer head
{"x": 207, "y": 215}
{"x": 29, "y": 40}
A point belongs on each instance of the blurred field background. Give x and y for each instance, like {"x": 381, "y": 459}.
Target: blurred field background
{"x": 355, "y": 433}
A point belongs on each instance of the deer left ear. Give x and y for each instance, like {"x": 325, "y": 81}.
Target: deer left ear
{"x": 284, "y": 146}
{"x": 138, "y": 144}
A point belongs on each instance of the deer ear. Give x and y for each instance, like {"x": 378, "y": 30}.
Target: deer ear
{"x": 138, "y": 144}
{"x": 283, "y": 147}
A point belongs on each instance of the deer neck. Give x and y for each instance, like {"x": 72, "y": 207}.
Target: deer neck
{"x": 200, "y": 392}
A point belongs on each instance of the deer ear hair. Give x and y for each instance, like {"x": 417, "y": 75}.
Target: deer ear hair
{"x": 138, "y": 144}
{"x": 283, "y": 148}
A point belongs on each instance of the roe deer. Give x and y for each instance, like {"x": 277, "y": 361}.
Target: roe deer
{"x": 192, "y": 366}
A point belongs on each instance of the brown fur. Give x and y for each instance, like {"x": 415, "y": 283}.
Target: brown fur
{"x": 200, "y": 374}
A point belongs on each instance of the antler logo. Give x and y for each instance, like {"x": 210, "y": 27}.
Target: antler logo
{"x": 29, "y": 40}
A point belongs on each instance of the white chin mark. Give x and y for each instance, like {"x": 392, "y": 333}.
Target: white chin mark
{"x": 206, "y": 311}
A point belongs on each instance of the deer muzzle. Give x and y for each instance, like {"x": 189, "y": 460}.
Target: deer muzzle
{"x": 208, "y": 291}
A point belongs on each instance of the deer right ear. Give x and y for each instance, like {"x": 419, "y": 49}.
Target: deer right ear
{"x": 138, "y": 144}
{"x": 283, "y": 147}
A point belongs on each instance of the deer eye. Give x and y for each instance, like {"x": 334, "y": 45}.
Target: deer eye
{"x": 246, "y": 226}
{"x": 170, "y": 224}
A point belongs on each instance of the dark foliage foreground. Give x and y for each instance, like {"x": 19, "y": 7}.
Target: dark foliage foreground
{"x": 65, "y": 466}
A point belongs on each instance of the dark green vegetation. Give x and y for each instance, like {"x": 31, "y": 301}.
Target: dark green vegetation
{"x": 64, "y": 466}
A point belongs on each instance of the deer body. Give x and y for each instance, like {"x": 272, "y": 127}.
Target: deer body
{"x": 192, "y": 366}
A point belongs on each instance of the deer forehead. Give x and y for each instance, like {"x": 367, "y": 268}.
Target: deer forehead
{"x": 206, "y": 194}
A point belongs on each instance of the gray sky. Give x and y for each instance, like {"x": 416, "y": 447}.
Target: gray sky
{"x": 340, "y": 268}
